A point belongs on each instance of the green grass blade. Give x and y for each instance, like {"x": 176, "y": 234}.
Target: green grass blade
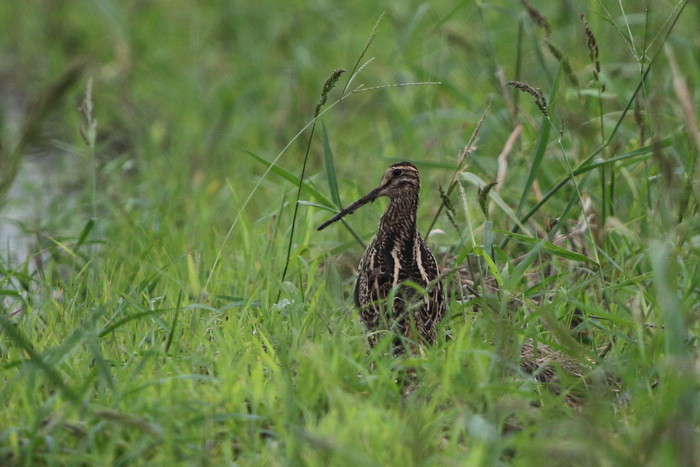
{"x": 174, "y": 324}
{"x": 85, "y": 233}
{"x": 330, "y": 167}
{"x": 542, "y": 142}
{"x": 52, "y": 374}
{"x": 553, "y": 249}
{"x": 293, "y": 179}
{"x": 586, "y": 166}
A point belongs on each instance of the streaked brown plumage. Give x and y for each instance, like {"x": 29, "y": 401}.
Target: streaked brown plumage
{"x": 398, "y": 265}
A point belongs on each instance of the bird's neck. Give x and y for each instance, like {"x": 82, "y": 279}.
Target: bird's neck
{"x": 399, "y": 220}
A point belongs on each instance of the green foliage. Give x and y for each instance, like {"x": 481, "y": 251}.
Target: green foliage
{"x": 152, "y": 323}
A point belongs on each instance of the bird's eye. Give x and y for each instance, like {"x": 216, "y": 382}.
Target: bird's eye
{"x": 397, "y": 172}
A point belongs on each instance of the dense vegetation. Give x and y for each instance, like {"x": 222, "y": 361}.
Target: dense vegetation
{"x": 179, "y": 306}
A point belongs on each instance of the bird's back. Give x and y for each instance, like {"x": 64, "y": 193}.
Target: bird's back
{"x": 408, "y": 275}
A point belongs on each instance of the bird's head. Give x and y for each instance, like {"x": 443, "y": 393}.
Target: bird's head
{"x": 399, "y": 179}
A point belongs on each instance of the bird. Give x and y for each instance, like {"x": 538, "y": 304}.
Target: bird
{"x": 398, "y": 287}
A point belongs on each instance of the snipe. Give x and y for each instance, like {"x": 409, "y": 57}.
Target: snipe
{"x": 398, "y": 285}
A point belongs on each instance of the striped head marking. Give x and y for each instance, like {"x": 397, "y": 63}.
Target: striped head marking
{"x": 398, "y": 179}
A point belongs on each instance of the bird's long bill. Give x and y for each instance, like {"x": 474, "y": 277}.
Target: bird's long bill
{"x": 371, "y": 196}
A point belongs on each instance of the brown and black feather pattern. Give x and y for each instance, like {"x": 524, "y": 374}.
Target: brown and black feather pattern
{"x": 398, "y": 284}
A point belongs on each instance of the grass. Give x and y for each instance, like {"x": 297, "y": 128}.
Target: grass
{"x": 181, "y": 308}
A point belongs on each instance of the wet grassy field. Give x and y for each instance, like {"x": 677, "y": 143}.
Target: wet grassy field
{"x": 178, "y": 306}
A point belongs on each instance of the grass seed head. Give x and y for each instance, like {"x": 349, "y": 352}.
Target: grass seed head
{"x": 449, "y": 209}
{"x": 484, "y": 197}
{"x": 592, "y": 45}
{"x": 538, "y": 18}
{"x": 327, "y": 86}
{"x": 540, "y": 100}
{"x": 559, "y": 55}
